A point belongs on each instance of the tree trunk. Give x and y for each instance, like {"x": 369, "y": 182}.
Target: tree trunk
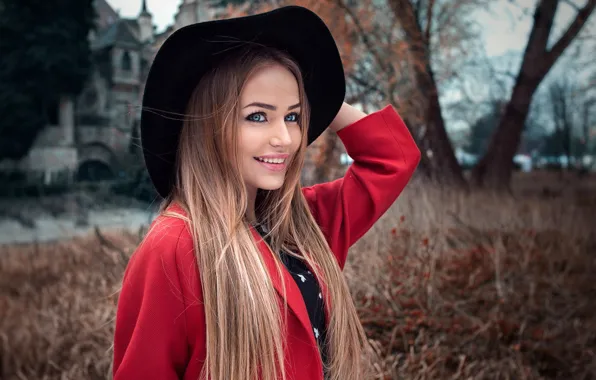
{"x": 444, "y": 168}
{"x": 328, "y": 160}
{"x": 495, "y": 168}
{"x": 582, "y": 167}
{"x": 568, "y": 133}
{"x": 424, "y": 167}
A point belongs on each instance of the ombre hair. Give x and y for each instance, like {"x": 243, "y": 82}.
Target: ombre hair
{"x": 244, "y": 328}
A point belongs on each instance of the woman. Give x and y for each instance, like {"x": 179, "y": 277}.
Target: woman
{"x": 239, "y": 277}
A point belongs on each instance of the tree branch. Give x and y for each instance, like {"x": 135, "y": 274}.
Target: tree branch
{"x": 364, "y": 83}
{"x": 570, "y": 33}
{"x": 544, "y": 15}
{"x": 405, "y": 13}
{"x": 417, "y": 9}
{"x": 363, "y": 34}
{"x": 429, "y": 18}
{"x": 508, "y": 74}
{"x": 359, "y": 96}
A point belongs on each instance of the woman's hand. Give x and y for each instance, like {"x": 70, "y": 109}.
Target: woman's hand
{"x": 347, "y": 115}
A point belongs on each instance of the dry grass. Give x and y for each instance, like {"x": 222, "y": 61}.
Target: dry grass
{"x": 479, "y": 287}
{"x": 448, "y": 286}
{"x": 57, "y": 305}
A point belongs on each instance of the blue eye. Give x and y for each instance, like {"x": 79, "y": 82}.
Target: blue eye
{"x": 293, "y": 117}
{"x": 255, "y": 117}
{"x": 259, "y": 117}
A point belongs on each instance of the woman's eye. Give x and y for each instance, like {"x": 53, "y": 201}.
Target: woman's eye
{"x": 293, "y": 117}
{"x": 257, "y": 117}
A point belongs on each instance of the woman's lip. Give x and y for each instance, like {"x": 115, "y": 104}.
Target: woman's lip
{"x": 283, "y": 156}
{"x": 272, "y": 167}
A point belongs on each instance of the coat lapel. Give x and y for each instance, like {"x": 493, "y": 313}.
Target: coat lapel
{"x": 293, "y": 296}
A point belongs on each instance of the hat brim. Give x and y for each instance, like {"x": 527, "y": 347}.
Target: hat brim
{"x": 190, "y": 51}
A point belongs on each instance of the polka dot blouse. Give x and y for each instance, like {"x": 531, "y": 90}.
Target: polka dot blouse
{"x": 311, "y": 292}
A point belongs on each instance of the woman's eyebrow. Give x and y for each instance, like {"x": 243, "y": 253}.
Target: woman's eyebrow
{"x": 269, "y": 106}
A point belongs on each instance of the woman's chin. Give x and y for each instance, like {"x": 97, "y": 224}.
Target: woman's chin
{"x": 271, "y": 185}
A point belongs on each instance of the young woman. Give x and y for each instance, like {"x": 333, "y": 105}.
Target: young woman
{"x": 239, "y": 277}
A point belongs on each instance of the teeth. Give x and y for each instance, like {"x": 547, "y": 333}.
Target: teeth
{"x": 271, "y": 160}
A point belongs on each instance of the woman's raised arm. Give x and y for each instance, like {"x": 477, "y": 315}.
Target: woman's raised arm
{"x": 385, "y": 157}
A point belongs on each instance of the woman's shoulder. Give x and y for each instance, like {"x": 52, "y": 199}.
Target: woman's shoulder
{"x": 167, "y": 242}
{"x": 167, "y": 228}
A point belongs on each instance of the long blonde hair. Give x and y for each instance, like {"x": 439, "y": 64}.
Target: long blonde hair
{"x": 244, "y": 329}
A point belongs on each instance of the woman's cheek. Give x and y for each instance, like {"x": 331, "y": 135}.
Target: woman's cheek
{"x": 296, "y": 138}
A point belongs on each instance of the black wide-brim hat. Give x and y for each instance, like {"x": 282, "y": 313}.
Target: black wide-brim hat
{"x": 192, "y": 51}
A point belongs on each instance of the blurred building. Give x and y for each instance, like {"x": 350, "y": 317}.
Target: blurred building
{"x": 94, "y": 136}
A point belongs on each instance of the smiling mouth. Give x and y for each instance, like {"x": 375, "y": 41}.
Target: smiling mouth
{"x": 272, "y": 164}
{"x": 274, "y": 161}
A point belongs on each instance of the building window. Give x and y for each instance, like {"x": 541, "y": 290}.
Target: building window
{"x": 126, "y": 62}
{"x": 90, "y": 98}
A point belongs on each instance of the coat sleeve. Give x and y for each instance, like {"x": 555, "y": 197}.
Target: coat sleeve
{"x": 385, "y": 157}
{"x": 150, "y": 340}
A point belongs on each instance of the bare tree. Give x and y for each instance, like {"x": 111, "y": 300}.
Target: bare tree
{"x": 495, "y": 168}
{"x": 409, "y": 49}
{"x": 445, "y": 167}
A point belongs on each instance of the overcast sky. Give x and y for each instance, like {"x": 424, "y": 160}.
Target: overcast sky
{"x": 505, "y": 27}
{"x": 503, "y": 31}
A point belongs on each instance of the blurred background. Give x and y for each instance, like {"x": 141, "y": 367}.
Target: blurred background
{"x": 486, "y": 258}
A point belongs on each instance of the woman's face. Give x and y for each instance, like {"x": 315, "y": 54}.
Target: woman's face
{"x": 269, "y": 134}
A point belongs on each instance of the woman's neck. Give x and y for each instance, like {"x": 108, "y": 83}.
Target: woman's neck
{"x": 252, "y": 220}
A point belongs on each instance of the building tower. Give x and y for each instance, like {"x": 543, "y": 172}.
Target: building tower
{"x": 145, "y": 21}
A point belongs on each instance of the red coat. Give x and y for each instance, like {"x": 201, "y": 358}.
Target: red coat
{"x": 160, "y": 321}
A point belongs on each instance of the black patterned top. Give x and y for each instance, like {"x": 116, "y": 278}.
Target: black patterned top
{"x": 311, "y": 292}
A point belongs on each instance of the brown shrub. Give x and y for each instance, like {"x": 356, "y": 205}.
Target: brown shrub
{"x": 479, "y": 287}
{"x": 57, "y": 306}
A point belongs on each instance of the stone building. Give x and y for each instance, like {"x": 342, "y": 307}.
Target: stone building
{"x": 91, "y": 137}
{"x": 94, "y": 136}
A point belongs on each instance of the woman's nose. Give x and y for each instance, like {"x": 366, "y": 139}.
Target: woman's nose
{"x": 281, "y": 135}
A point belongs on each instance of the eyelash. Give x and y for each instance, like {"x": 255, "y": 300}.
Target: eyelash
{"x": 248, "y": 118}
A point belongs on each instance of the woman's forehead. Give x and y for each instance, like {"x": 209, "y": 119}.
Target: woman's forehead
{"x": 272, "y": 84}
